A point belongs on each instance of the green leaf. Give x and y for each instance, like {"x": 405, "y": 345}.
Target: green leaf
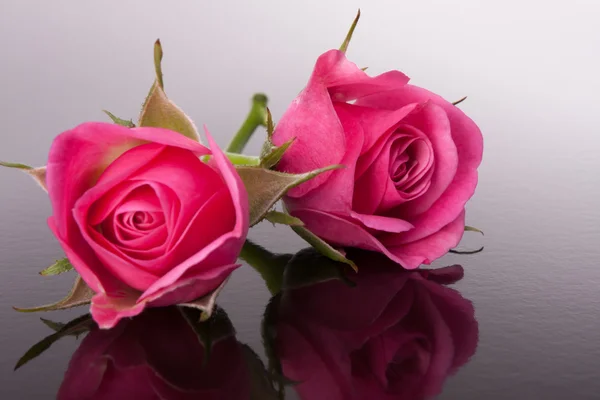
{"x": 266, "y": 187}
{"x": 79, "y": 295}
{"x": 457, "y": 102}
{"x": 308, "y": 267}
{"x": 123, "y": 122}
{"x": 76, "y": 326}
{"x": 160, "y": 112}
{"x": 472, "y": 229}
{"x": 60, "y": 266}
{"x": 344, "y": 46}
{"x": 206, "y": 304}
{"x": 277, "y": 217}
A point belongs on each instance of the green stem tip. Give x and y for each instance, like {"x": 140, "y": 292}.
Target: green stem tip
{"x": 256, "y": 117}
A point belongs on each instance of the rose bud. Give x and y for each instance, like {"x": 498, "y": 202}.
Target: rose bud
{"x": 411, "y": 162}
{"x": 142, "y": 218}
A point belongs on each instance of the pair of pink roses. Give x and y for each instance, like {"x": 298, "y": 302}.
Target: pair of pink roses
{"x": 146, "y": 222}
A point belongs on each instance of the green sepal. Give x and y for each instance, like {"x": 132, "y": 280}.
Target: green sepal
{"x": 79, "y": 295}
{"x": 38, "y": 174}
{"x": 160, "y": 112}
{"x": 265, "y": 187}
{"x": 344, "y": 46}
{"x": 278, "y": 217}
{"x": 119, "y": 121}
{"x": 60, "y": 266}
{"x": 457, "y": 102}
{"x": 271, "y": 154}
{"x": 207, "y": 303}
{"x": 15, "y": 165}
{"x": 321, "y": 246}
{"x": 472, "y": 229}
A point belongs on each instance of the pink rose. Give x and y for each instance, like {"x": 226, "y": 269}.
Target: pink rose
{"x": 396, "y": 335}
{"x": 411, "y": 161}
{"x": 156, "y": 355}
{"x": 142, "y": 219}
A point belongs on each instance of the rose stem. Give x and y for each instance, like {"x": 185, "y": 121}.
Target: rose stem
{"x": 256, "y": 117}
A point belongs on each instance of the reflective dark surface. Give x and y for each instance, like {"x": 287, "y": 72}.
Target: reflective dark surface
{"x": 529, "y": 68}
{"x": 327, "y": 332}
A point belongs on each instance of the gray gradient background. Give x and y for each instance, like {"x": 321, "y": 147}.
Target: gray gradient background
{"x": 530, "y": 69}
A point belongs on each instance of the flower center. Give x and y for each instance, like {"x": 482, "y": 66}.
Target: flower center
{"x": 137, "y": 223}
{"x": 411, "y": 163}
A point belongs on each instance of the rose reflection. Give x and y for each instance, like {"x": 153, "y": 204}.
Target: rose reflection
{"x": 395, "y": 335}
{"x": 160, "y": 354}
{"x": 381, "y": 333}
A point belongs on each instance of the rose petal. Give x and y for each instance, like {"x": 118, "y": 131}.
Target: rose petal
{"x": 194, "y": 285}
{"x": 107, "y": 311}
{"x": 224, "y": 250}
{"x": 78, "y": 156}
{"x": 118, "y": 262}
{"x": 380, "y": 223}
{"x": 469, "y": 145}
{"x": 339, "y": 188}
{"x": 346, "y": 81}
{"x": 312, "y": 120}
{"x": 86, "y": 263}
{"x": 430, "y": 248}
{"x": 338, "y": 231}
{"x": 433, "y": 120}
{"x": 218, "y": 213}
{"x": 192, "y": 181}
{"x": 101, "y": 205}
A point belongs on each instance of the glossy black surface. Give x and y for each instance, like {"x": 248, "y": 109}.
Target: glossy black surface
{"x": 528, "y": 67}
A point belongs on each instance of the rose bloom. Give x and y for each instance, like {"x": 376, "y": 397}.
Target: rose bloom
{"x": 142, "y": 219}
{"x": 396, "y": 335}
{"x": 411, "y": 162}
{"x": 155, "y": 356}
